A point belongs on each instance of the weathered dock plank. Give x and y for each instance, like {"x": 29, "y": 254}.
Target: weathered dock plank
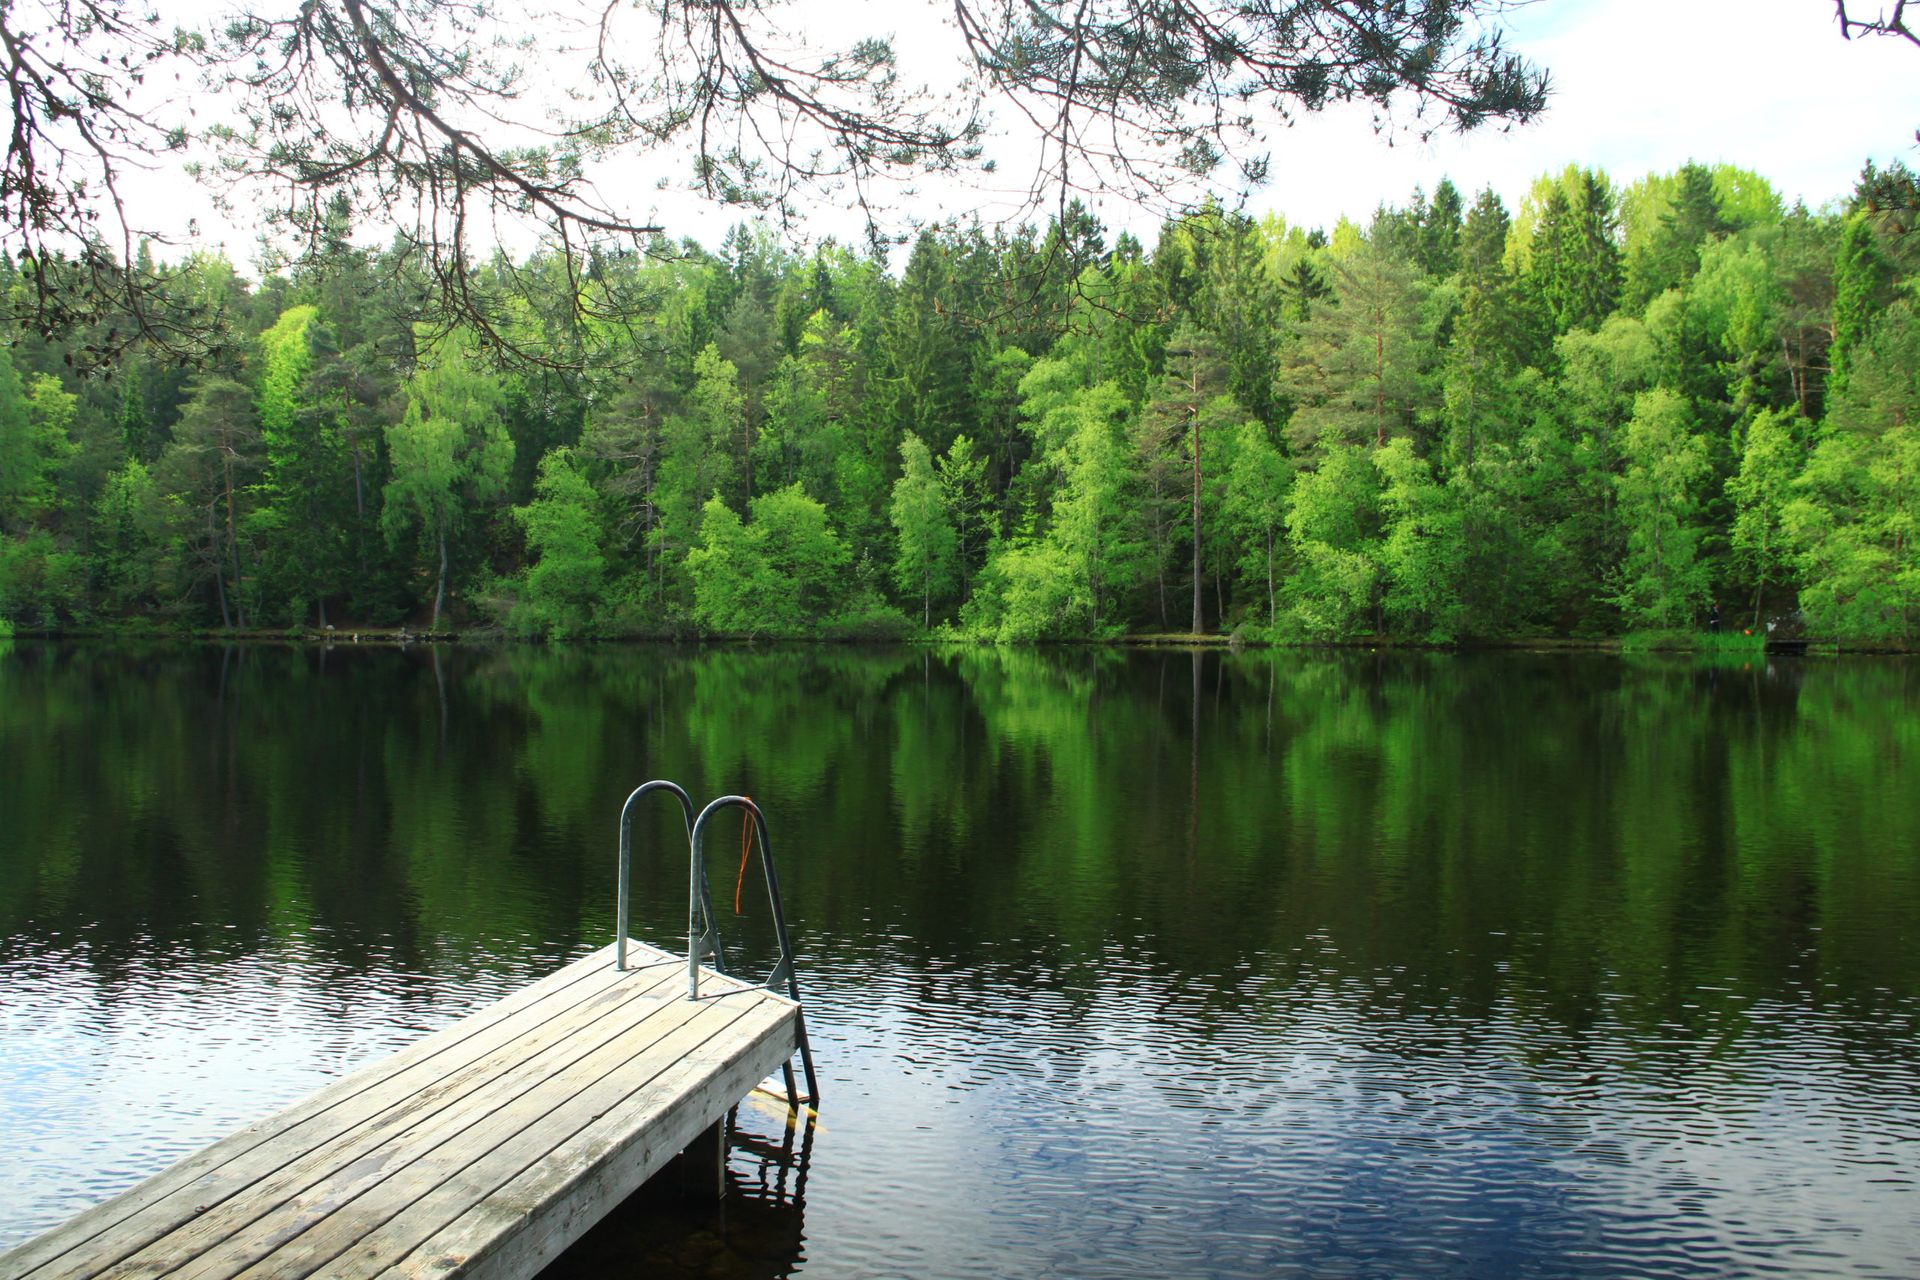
{"x": 482, "y": 1150}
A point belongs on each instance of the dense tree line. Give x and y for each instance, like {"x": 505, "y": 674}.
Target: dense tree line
{"x": 1609, "y": 409}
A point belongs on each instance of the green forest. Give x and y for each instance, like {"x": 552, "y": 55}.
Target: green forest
{"x": 1614, "y": 408}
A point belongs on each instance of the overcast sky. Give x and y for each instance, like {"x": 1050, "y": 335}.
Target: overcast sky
{"x": 1638, "y": 86}
{"x": 1643, "y": 86}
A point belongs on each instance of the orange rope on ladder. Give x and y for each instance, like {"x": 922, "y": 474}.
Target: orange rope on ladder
{"x": 746, "y": 848}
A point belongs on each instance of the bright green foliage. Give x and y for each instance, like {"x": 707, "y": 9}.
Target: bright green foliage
{"x": 969, "y": 502}
{"x": 130, "y": 534}
{"x": 1739, "y": 298}
{"x": 1668, "y": 254}
{"x": 285, "y": 362}
{"x": 1524, "y": 509}
{"x": 1449, "y": 422}
{"x": 41, "y": 580}
{"x": 34, "y": 422}
{"x": 1422, "y": 551}
{"x": 450, "y": 453}
{"x": 300, "y": 524}
{"x": 1053, "y": 404}
{"x": 730, "y": 578}
{"x": 1256, "y": 510}
{"x": 1862, "y": 280}
{"x": 1026, "y": 593}
{"x": 1773, "y": 456}
{"x": 782, "y": 575}
{"x": 1095, "y": 521}
{"x": 1854, "y": 535}
{"x": 1602, "y": 373}
{"x": 1333, "y": 527}
{"x": 1662, "y": 582}
{"x": 927, "y": 560}
{"x": 797, "y": 443}
{"x": 565, "y": 533}
{"x": 700, "y": 457}
{"x": 806, "y": 556}
{"x": 1856, "y": 525}
{"x": 1745, "y": 199}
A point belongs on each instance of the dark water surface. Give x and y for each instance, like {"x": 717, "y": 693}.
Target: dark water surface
{"x": 1118, "y": 964}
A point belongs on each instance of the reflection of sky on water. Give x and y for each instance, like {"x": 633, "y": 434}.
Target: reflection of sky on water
{"x": 972, "y": 1118}
{"x": 104, "y": 1083}
{"x": 1313, "y": 1136}
{"x": 1466, "y": 967}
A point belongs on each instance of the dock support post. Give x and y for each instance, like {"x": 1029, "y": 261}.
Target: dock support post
{"x": 703, "y": 1165}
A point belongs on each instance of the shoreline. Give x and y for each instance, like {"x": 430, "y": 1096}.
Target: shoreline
{"x": 1708, "y": 644}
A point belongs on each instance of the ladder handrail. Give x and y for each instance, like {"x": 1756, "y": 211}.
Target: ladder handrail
{"x": 700, "y": 909}
{"x": 621, "y": 907}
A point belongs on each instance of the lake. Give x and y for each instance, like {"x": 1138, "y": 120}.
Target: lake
{"x": 1117, "y": 963}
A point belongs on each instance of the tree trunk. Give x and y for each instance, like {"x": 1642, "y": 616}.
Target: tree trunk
{"x": 746, "y": 451}
{"x": 440, "y": 590}
{"x": 1160, "y": 532}
{"x": 216, "y": 559}
{"x": 1199, "y": 624}
{"x": 1380, "y": 389}
{"x": 233, "y": 539}
{"x": 220, "y": 590}
{"x": 1273, "y": 615}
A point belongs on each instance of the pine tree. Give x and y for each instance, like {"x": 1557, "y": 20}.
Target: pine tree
{"x": 1862, "y": 286}
{"x": 1575, "y": 262}
{"x": 1441, "y": 231}
{"x": 1355, "y": 374}
{"x": 1671, "y": 253}
{"x": 210, "y": 466}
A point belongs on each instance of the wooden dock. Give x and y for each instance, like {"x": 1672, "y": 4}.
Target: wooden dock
{"x": 483, "y": 1150}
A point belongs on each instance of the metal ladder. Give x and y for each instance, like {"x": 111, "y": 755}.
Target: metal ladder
{"x": 703, "y": 927}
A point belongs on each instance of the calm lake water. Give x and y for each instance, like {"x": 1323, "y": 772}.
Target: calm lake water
{"x": 1117, "y": 964}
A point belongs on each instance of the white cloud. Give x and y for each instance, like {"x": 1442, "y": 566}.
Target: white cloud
{"x": 1642, "y": 86}
{"x": 1639, "y": 86}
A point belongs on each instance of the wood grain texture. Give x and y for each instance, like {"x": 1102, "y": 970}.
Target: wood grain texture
{"x": 485, "y": 1148}
{"x": 175, "y": 1194}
